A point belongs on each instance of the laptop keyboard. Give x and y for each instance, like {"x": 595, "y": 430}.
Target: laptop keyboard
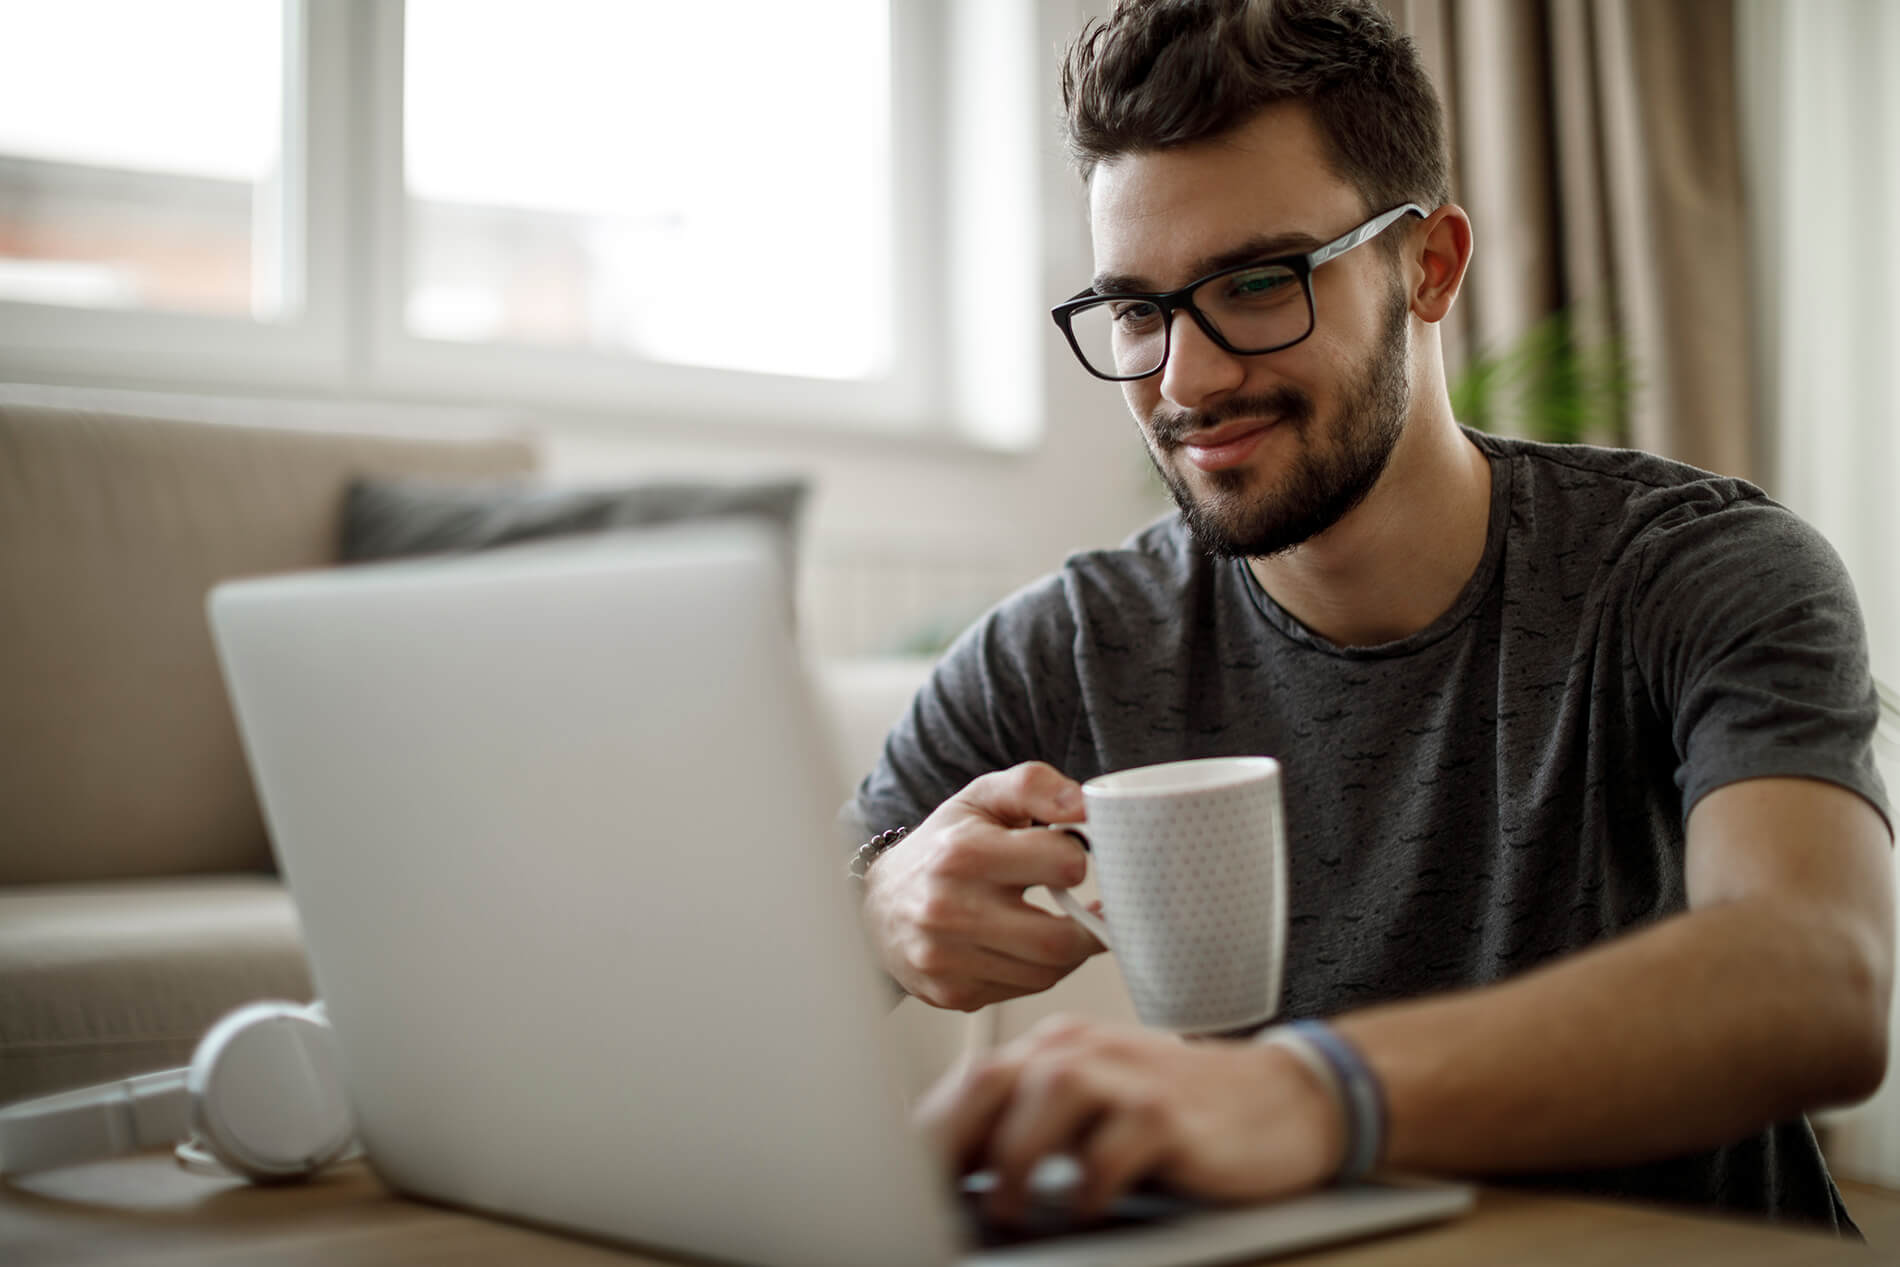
{"x": 1049, "y": 1213}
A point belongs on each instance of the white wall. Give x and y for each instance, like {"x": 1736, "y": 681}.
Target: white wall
{"x": 1823, "y": 151}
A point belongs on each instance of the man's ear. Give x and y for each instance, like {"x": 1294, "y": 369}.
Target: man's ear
{"x": 1439, "y": 259}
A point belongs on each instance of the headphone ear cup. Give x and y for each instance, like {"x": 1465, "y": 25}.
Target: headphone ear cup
{"x": 267, "y": 1097}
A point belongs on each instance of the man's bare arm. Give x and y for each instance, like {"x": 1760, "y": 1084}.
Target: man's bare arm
{"x": 1768, "y": 997}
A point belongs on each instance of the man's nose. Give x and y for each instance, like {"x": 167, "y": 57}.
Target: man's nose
{"x": 1199, "y": 371}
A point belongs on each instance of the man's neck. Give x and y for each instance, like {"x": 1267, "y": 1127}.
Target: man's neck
{"x": 1401, "y": 557}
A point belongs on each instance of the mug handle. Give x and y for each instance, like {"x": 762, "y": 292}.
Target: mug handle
{"x": 1066, "y": 900}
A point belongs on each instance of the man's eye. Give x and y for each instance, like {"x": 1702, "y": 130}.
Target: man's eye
{"x": 1134, "y": 313}
{"x": 1260, "y": 283}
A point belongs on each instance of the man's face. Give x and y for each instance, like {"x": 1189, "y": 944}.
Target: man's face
{"x": 1261, "y": 452}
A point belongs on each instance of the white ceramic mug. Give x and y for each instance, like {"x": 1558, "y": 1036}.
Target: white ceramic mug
{"x": 1190, "y": 857}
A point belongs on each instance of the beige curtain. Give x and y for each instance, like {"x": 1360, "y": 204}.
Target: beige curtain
{"x": 1596, "y": 145}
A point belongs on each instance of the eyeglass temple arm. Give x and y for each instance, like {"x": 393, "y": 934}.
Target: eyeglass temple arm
{"x": 1364, "y": 233}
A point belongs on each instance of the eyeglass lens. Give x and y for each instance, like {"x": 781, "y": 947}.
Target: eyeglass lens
{"x": 1255, "y": 310}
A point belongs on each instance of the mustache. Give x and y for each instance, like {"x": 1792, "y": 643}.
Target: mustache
{"x": 1171, "y": 427}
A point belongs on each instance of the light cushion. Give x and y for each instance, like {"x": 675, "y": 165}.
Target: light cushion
{"x": 122, "y": 758}
{"x": 101, "y": 981}
{"x": 862, "y": 699}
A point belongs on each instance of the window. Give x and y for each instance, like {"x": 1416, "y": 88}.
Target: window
{"x": 686, "y": 211}
{"x": 164, "y": 194}
{"x": 572, "y": 209}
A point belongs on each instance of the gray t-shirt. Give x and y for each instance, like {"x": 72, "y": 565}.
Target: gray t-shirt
{"x": 1504, "y": 787}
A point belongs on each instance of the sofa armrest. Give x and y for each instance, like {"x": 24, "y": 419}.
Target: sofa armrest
{"x": 862, "y": 699}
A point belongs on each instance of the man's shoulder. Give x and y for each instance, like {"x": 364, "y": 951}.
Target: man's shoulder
{"x": 1163, "y": 543}
{"x": 1616, "y": 501}
{"x": 1155, "y": 563}
{"x": 1147, "y": 572}
{"x": 1634, "y": 478}
{"x": 1631, "y": 526}
{"x": 1144, "y": 582}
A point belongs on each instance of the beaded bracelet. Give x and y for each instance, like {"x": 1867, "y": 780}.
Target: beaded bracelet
{"x": 1339, "y": 1065}
{"x": 872, "y": 849}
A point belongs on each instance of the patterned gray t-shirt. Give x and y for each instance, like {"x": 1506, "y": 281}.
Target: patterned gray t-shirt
{"x": 1503, "y": 787}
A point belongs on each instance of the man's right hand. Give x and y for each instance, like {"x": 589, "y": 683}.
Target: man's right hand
{"x": 945, "y": 906}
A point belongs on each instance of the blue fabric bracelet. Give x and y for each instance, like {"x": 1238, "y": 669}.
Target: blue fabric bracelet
{"x": 1359, "y": 1092}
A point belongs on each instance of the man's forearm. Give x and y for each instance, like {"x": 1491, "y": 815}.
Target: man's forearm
{"x": 1685, "y": 1036}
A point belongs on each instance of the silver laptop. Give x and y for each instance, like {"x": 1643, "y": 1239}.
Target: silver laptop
{"x": 558, "y": 825}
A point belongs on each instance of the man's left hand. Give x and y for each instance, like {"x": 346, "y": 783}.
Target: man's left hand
{"x": 1224, "y": 1120}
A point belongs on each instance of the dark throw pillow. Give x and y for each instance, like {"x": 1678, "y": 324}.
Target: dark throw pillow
{"x": 390, "y": 518}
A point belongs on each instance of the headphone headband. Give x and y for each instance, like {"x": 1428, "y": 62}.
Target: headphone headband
{"x": 263, "y": 1097}
{"x": 101, "y": 1121}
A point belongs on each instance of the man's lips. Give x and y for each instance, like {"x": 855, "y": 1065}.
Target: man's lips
{"x": 1227, "y": 445}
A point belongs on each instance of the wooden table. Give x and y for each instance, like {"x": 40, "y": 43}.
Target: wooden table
{"x": 145, "y": 1210}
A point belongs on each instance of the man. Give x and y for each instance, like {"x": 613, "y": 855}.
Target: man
{"x": 1589, "y": 872}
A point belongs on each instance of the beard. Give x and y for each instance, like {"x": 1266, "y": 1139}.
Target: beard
{"x": 1324, "y": 484}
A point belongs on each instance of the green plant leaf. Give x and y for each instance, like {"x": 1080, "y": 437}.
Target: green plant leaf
{"x": 1551, "y": 383}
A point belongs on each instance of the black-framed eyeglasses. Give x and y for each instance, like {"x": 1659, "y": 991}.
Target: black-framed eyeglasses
{"x": 1247, "y": 310}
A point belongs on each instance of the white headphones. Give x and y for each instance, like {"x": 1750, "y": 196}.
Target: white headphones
{"x": 263, "y": 1098}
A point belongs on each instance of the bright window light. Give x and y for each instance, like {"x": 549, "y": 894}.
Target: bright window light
{"x": 705, "y": 185}
{"x": 141, "y": 149}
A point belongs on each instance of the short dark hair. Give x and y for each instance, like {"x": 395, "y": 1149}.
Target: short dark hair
{"x": 1163, "y": 73}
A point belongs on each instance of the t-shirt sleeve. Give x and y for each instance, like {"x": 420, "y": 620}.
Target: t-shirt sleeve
{"x": 1004, "y": 693}
{"x": 1750, "y": 636}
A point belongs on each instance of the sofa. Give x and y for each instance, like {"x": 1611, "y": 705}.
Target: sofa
{"x": 137, "y": 895}
{"x": 138, "y": 898}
